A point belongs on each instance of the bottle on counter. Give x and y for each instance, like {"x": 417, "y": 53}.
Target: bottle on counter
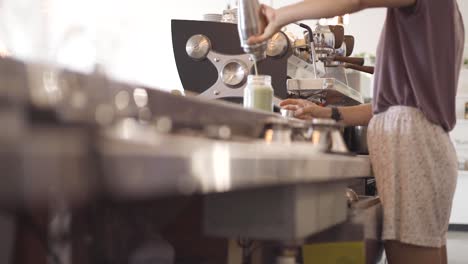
{"x": 258, "y": 93}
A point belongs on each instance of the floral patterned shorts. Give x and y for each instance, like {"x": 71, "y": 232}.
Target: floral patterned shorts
{"x": 415, "y": 167}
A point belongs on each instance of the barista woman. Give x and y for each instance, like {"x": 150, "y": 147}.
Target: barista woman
{"x": 416, "y": 75}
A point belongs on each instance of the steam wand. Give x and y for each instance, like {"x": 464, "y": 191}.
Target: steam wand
{"x": 310, "y": 43}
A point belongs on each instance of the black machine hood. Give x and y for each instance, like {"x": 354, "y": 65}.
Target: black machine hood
{"x": 199, "y": 75}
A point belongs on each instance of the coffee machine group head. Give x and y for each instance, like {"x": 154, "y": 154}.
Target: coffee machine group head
{"x": 250, "y": 24}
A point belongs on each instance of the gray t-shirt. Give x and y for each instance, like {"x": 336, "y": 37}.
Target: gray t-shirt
{"x": 419, "y": 58}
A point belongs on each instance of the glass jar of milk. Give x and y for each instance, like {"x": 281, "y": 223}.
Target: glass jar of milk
{"x": 258, "y": 94}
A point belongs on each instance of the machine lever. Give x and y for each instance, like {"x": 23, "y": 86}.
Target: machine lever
{"x": 352, "y": 60}
{"x": 367, "y": 69}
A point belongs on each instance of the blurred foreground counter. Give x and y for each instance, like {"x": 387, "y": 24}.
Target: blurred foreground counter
{"x": 96, "y": 171}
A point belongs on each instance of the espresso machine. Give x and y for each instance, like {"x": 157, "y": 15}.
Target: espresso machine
{"x": 213, "y": 64}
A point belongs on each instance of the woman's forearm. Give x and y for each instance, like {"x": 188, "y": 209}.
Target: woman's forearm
{"x": 358, "y": 115}
{"x": 315, "y": 9}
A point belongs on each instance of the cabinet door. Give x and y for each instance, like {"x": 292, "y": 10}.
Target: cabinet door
{"x": 459, "y": 136}
{"x": 460, "y": 206}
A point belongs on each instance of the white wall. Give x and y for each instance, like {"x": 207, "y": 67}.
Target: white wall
{"x": 463, "y": 87}
{"x": 364, "y": 25}
{"x": 463, "y": 6}
{"x": 148, "y": 47}
{"x": 463, "y": 83}
{"x": 131, "y": 39}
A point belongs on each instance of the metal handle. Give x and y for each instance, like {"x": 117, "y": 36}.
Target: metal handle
{"x": 351, "y": 60}
{"x": 367, "y": 69}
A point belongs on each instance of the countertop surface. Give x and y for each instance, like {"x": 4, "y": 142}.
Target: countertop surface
{"x": 167, "y": 164}
{"x": 79, "y": 136}
{"x": 49, "y": 163}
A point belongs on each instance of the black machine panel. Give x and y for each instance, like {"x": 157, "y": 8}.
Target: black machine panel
{"x": 198, "y": 76}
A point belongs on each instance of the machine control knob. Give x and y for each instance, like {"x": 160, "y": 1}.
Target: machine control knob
{"x": 198, "y": 46}
{"x": 234, "y": 73}
{"x": 278, "y": 45}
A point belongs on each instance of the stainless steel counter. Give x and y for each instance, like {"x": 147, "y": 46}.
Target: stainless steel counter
{"x": 168, "y": 164}
{"x": 75, "y": 136}
{"x": 48, "y": 163}
{"x": 70, "y": 139}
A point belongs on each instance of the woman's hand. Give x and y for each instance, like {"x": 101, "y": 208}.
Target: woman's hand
{"x": 304, "y": 109}
{"x": 268, "y": 17}
{"x": 358, "y": 115}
